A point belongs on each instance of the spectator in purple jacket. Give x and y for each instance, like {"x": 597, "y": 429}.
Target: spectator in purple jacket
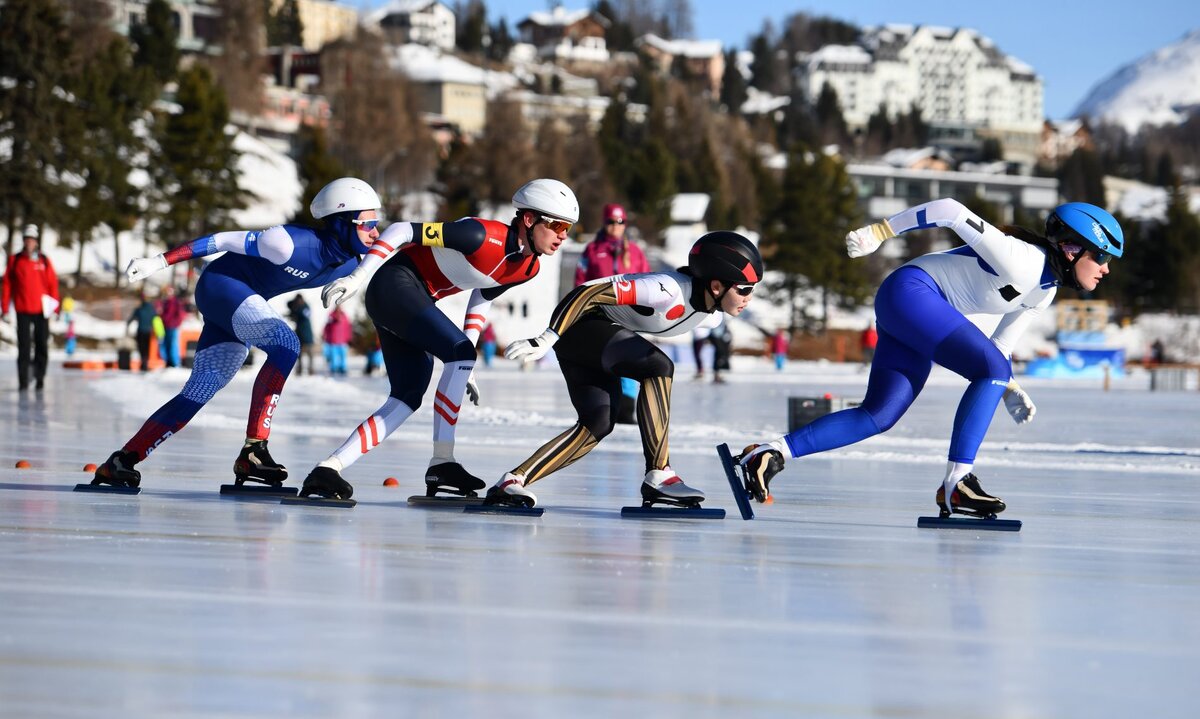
{"x": 173, "y": 311}
{"x": 337, "y": 335}
{"x": 610, "y": 253}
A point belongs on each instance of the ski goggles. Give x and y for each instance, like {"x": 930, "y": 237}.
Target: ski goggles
{"x": 743, "y": 290}
{"x": 367, "y": 225}
{"x": 556, "y": 225}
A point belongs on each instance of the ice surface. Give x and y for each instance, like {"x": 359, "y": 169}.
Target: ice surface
{"x": 178, "y": 603}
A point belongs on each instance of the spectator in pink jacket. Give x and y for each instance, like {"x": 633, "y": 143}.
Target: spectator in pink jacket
{"x": 173, "y": 310}
{"x": 610, "y": 253}
{"x": 337, "y": 335}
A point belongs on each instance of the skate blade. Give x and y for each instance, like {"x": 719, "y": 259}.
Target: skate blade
{"x": 107, "y": 489}
{"x": 265, "y": 490}
{"x": 422, "y": 500}
{"x": 503, "y": 509}
{"x": 677, "y": 513}
{"x": 992, "y": 525}
{"x": 735, "y": 483}
{"x": 318, "y": 502}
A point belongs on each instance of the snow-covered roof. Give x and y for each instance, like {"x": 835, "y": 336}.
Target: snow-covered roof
{"x": 684, "y": 48}
{"x": 909, "y": 156}
{"x": 1066, "y": 128}
{"x": 689, "y": 207}
{"x": 839, "y": 55}
{"x": 401, "y": 7}
{"x": 1019, "y": 67}
{"x": 426, "y": 64}
{"x": 560, "y": 17}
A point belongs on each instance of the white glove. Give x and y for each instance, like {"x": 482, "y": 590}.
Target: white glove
{"x": 473, "y": 389}
{"x": 865, "y": 240}
{"x": 143, "y": 267}
{"x": 532, "y": 350}
{"x": 339, "y": 291}
{"x": 1018, "y": 404}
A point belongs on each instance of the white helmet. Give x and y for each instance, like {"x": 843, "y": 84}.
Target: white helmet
{"x": 346, "y": 194}
{"x": 549, "y": 197}
{"x": 30, "y": 231}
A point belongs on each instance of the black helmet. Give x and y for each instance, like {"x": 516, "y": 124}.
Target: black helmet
{"x": 725, "y": 256}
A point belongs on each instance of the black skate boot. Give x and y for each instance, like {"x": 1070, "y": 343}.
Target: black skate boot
{"x": 663, "y": 486}
{"x": 758, "y": 469}
{"x": 969, "y": 498}
{"x": 450, "y": 477}
{"x": 510, "y": 491}
{"x": 326, "y": 482}
{"x": 118, "y": 471}
{"x": 254, "y": 464}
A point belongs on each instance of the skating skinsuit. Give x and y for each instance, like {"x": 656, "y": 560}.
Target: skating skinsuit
{"x": 232, "y": 296}
{"x": 421, "y": 264}
{"x": 598, "y": 324}
{"x": 920, "y": 309}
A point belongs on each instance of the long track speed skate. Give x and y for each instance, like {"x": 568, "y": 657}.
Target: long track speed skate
{"x": 448, "y": 484}
{"x": 664, "y": 487}
{"x": 254, "y": 464}
{"x": 115, "y": 476}
{"x": 969, "y": 498}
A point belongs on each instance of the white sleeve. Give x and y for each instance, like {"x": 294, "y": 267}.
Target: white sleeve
{"x": 393, "y": 238}
{"x": 657, "y": 291}
{"x": 273, "y": 244}
{"x": 476, "y": 317}
{"x": 1006, "y": 255}
{"x": 1014, "y": 324}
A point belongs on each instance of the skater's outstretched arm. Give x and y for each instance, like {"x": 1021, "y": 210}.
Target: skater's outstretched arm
{"x": 273, "y": 244}
{"x": 576, "y": 304}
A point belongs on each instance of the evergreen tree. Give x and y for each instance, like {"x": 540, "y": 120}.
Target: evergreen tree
{"x": 317, "y": 167}
{"x": 110, "y": 99}
{"x": 762, "y": 68}
{"x": 619, "y": 36}
{"x": 615, "y": 140}
{"x": 156, "y": 42}
{"x": 818, "y": 206}
{"x": 34, "y": 52}
{"x": 880, "y": 132}
{"x": 195, "y": 169}
{"x": 1164, "y": 171}
{"x": 472, "y": 24}
{"x": 504, "y": 153}
{"x": 502, "y": 41}
{"x": 284, "y": 26}
{"x": 830, "y": 123}
{"x": 733, "y": 85}
{"x": 1178, "y": 255}
{"x": 1081, "y": 178}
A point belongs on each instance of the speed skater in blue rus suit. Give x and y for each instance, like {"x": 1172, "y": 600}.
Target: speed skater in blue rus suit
{"x": 232, "y": 296}
{"x": 1007, "y": 271}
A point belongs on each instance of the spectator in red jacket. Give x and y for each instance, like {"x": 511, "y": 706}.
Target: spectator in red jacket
{"x": 610, "y": 253}
{"x": 31, "y": 284}
{"x": 337, "y": 335}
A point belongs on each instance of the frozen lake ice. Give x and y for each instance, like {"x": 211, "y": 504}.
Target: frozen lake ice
{"x": 831, "y": 603}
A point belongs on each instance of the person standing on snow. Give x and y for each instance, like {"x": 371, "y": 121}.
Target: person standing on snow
{"x": 232, "y": 296}
{"x": 28, "y": 280}
{"x": 415, "y": 264}
{"x": 1008, "y": 271}
{"x": 596, "y": 331}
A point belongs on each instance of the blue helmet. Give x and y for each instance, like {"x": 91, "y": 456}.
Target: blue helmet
{"x": 1079, "y": 223}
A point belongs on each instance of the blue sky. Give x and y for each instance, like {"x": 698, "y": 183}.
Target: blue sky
{"x": 1071, "y": 44}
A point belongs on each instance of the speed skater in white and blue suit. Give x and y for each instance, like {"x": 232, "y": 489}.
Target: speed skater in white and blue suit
{"x": 1007, "y": 271}
{"x": 232, "y": 296}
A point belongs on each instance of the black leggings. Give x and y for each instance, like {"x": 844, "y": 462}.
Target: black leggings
{"x": 594, "y": 355}
{"x": 412, "y": 331}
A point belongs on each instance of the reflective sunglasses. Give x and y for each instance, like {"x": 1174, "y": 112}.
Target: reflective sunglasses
{"x": 1101, "y": 258}
{"x": 367, "y": 225}
{"x": 615, "y": 222}
{"x": 556, "y": 226}
{"x": 743, "y": 290}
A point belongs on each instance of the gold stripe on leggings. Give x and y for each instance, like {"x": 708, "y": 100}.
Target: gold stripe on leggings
{"x": 654, "y": 417}
{"x": 562, "y": 451}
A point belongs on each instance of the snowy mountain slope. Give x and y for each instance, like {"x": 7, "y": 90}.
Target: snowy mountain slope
{"x": 1159, "y": 88}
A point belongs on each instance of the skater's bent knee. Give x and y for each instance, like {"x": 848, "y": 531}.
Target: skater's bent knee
{"x": 462, "y": 351}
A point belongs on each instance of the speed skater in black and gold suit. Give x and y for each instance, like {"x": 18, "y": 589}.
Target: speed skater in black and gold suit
{"x": 596, "y": 331}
